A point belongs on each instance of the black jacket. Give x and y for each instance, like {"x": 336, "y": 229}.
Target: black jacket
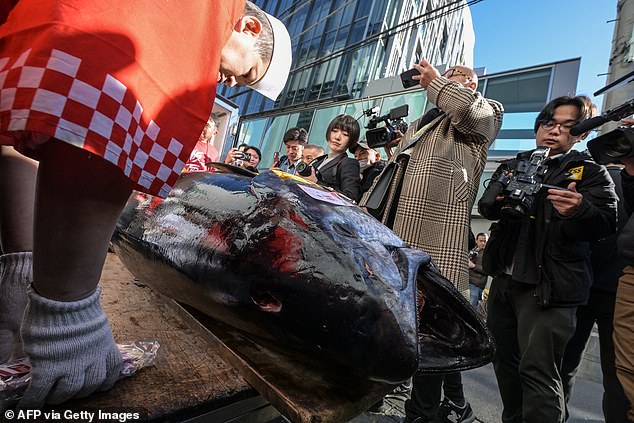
{"x": 369, "y": 174}
{"x": 549, "y": 250}
{"x": 341, "y": 174}
{"x": 607, "y": 264}
{"x": 626, "y": 239}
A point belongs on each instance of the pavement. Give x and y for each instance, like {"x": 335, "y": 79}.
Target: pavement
{"x": 481, "y": 391}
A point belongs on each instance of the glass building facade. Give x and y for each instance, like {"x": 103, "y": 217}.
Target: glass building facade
{"x": 340, "y": 45}
{"x": 523, "y": 92}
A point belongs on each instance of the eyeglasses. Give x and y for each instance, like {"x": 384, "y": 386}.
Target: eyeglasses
{"x": 551, "y": 124}
{"x": 453, "y": 71}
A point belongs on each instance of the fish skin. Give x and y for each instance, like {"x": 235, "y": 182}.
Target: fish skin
{"x": 258, "y": 253}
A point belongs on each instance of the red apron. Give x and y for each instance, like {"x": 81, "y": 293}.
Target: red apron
{"x": 132, "y": 81}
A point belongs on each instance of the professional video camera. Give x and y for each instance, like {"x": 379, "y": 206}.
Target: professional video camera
{"x": 520, "y": 185}
{"x": 380, "y": 136}
{"x": 614, "y": 145}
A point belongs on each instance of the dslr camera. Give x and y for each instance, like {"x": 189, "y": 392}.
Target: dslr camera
{"x": 519, "y": 186}
{"x": 303, "y": 169}
{"x": 379, "y": 136}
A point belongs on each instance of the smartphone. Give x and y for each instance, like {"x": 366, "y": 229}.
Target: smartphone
{"x": 406, "y": 78}
{"x": 276, "y": 158}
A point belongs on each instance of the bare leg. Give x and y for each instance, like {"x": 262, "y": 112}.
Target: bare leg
{"x": 79, "y": 198}
{"x": 17, "y": 193}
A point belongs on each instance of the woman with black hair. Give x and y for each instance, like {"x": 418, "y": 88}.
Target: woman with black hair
{"x": 336, "y": 170}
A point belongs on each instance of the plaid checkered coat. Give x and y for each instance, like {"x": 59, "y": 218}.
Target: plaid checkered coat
{"x": 442, "y": 177}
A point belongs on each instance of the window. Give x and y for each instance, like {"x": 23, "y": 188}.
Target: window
{"x": 523, "y": 92}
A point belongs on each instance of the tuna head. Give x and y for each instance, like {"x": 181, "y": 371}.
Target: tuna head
{"x": 263, "y": 255}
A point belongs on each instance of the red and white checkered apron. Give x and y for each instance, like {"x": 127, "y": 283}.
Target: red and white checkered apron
{"x": 132, "y": 81}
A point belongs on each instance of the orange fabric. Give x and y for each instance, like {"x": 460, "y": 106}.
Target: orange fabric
{"x": 156, "y": 60}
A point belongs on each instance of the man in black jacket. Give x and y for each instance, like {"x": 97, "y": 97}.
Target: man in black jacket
{"x": 607, "y": 267}
{"x": 541, "y": 265}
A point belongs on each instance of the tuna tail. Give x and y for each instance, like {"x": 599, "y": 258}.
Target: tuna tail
{"x": 451, "y": 336}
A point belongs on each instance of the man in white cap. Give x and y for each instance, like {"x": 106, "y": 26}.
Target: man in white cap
{"x": 258, "y": 53}
{"x": 108, "y": 97}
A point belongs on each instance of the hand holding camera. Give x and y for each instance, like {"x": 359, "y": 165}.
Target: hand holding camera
{"x": 238, "y": 158}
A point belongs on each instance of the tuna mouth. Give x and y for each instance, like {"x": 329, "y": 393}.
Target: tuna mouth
{"x": 451, "y": 336}
{"x": 267, "y": 302}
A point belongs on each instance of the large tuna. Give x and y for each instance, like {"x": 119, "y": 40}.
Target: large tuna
{"x": 275, "y": 258}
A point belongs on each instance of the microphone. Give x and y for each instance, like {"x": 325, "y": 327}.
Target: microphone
{"x": 588, "y": 124}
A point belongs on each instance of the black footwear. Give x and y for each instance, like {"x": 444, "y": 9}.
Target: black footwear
{"x": 448, "y": 412}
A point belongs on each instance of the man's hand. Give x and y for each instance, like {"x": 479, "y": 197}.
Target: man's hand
{"x": 427, "y": 73}
{"x": 566, "y": 202}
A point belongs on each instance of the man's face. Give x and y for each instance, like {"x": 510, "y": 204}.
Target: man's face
{"x": 240, "y": 63}
{"x": 209, "y": 132}
{"x": 481, "y": 241}
{"x": 558, "y": 137}
{"x": 294, "y": 150}
{"x": 309, "y": 155}
{"x": 366, "y": 155}
{"x": 460, "y": 74}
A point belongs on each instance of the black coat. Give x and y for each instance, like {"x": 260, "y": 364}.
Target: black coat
{"x": 341, "y": 174}
{"x": 549, "y": 250}
{"x": 626, "y": 239}
{"x": 607, "y": 264}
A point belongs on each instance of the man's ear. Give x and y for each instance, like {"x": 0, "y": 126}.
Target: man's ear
{"x": 248, "y": 25}
{"x": 473, "y": 85}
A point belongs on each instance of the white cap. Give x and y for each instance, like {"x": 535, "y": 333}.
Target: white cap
{"x": 274, "y": 79}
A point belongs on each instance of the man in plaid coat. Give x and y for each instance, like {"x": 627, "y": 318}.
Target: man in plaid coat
{"x": 432, "y": 211}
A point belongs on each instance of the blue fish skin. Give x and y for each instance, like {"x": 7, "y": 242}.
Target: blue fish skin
{"x": 318, "y": 280}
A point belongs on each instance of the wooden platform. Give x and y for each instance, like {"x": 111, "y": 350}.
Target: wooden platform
{"x": 192, "y": 377}
{"x": 189, "y": 377}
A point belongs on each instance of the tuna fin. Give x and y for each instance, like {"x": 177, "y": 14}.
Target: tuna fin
{"x": 451, "y": 336}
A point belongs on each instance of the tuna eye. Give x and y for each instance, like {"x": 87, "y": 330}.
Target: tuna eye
{"x": 267, "y": 302}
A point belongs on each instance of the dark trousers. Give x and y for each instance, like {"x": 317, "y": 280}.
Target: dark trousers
{"x": 600, "y": 309}
{"x": 427, "y": 391}
{"x": 530, "y": 345}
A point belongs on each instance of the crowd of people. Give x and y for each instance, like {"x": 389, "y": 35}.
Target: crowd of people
{"x": 560, "y": 263}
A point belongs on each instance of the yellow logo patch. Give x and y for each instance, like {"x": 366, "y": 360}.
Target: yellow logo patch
{"x": 575, "y": 174}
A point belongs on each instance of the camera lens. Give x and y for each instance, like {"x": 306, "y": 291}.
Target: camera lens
{"x": 303, "y": 169}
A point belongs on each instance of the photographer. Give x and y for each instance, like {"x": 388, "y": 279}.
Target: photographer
{"x": 539, "y": 256}
{"x": 248, "y": 157}
{"x": 294, "y": 140}
{"x": 431, "y": 208}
